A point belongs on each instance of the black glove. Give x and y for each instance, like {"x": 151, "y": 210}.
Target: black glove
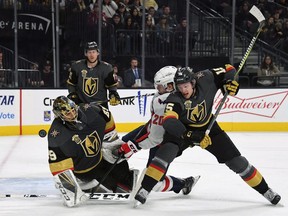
{"x": 197, "y": 137}
{"x": 74, "y": 97}
{"x": 114, "y": 98}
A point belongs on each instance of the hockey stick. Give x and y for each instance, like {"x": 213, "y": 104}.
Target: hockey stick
{"x": 105, "y": 176}
{"x": 94, "y": 196}
{"x": 261, "y": 19}
{"x": 124, "y": 98}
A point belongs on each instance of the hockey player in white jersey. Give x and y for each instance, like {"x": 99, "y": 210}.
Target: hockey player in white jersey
{"x": 151, "y": 135}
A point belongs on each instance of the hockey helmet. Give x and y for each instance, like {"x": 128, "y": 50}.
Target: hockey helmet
{"x": 184, "y": 75}
{"x": 164, "y": 76}
{"x": 65, "y": 109}
{"x": 92, "y": 45}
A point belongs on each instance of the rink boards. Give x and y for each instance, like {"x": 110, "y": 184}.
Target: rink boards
{"x": 25, "y": 112}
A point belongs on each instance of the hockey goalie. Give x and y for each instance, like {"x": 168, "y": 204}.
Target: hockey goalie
{"x": 78, "y": 160}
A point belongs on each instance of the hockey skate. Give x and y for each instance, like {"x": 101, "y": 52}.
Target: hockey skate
{"x": 272, "y": 196}
{"x": 189, "y": 183}
{"x": 140, "y": 197}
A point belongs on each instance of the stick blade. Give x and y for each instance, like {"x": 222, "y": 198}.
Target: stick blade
{"x": 257, "y": 13}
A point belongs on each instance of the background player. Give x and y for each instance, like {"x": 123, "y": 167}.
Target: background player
{"x": 75, "y": 151}
{"x": 89, "y": 79}
{"x": 187, "y": 115}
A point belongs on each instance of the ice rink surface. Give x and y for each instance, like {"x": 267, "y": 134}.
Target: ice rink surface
{"x": 24, "y": 170}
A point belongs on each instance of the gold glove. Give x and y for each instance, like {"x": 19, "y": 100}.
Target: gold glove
{"x": 232, "y": 87}
{"x": 206, "y": 141}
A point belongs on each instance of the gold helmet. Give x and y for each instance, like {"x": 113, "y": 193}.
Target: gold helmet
{"x": 65, "y": 109}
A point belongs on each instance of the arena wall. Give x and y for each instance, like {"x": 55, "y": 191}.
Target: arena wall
{"x": 25, "y": 112}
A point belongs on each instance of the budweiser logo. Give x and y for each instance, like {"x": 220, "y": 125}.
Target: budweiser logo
{"x": 263, "y": 105}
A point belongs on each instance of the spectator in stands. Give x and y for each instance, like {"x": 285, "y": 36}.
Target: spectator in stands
{"x": 180, "y": 37}
{"x": 171, "y": 19}
{"x": 78, "y": 6}
{"x": 6, "y": 74}
{"x": 117, "y": 77}
{"x": 149, "y": 3}
{"x": 244, "y": 19}
{"x": 270, "y": 32}
{"x": 47, "y": 75}
{"x": 150, "y": 35}
{"x": 123, "y": 12}
{"x": 132, "y": 76}
{"x": 92, "y": 24}
{"x": 152, "y": 13}
{"x": 163, "y": 36}
{"x": 33, "y": 80}
{"x": 136, "y": 4}
{"x": 109, "y": 8}
{"x": 267, "y": 72}
{"x": 136, "y": 17}
{"x": 119, "y": 37}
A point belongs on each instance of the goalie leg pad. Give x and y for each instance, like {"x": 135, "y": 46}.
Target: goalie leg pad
{"x": 71, "y": 192}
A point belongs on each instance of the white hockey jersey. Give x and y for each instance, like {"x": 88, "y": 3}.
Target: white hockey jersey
{"x": 155, "y": 130}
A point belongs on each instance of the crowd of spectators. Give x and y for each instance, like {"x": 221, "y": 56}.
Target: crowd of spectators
{"x": 275, "y": 32}
{"x": 164, "y": 19}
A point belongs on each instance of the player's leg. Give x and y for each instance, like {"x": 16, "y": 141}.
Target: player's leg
{"x": 171, "y": 183}
{"x": 156, "y": 169}
{"x": 132, "y": 134}
{"x": 226, "y": 152}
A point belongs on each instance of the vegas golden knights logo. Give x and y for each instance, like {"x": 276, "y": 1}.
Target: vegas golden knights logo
{"x": 90, "y": 145}
{"x": 90, "y": 84}
{"x": 197, "y": 113}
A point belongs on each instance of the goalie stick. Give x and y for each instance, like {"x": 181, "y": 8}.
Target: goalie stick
{"x": 261, "y": 19}
{"x": 93, "y": 196}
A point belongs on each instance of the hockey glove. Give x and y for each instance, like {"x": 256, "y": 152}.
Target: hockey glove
{"x": 114, "y": 98}
{"x": 128, "y": 149}
{"x": 197, "y": 138}
{"x": 232, "y": 87}
{"x": 74, "y": 97}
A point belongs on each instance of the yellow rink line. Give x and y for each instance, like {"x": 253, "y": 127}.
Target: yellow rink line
{"x": 126, "y": 127}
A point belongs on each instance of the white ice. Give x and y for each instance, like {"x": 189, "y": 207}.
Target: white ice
{"x": 24, "y": 169}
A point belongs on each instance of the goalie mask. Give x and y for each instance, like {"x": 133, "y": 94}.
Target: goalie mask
{"x": 65, "y": 109}
{"x": 164, "y": 76}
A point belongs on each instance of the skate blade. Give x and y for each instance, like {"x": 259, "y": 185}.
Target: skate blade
{"x": 136, "y": 204}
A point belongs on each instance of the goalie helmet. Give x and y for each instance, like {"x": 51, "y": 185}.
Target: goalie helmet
{"x": 91, "y": 46}
{"x": 184, "y": 75}
{"x": 65, "y": 109}
{"x": 164, "y": 76}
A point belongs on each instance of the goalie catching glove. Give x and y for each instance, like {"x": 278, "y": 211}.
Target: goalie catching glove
{"x": 127, "y": 149}
{"x": 197, "y": 138}
{"x": 114, "y": 98}
{"x": 232, "y": 87}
